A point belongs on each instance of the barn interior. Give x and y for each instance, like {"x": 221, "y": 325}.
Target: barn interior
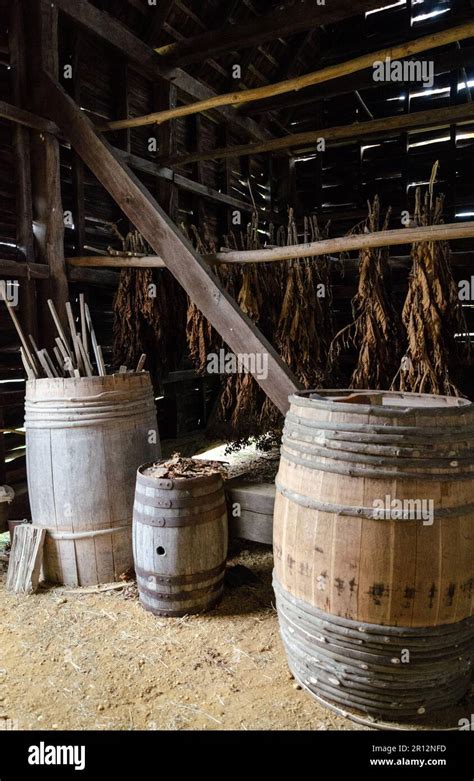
{"x": 240, "y": 201}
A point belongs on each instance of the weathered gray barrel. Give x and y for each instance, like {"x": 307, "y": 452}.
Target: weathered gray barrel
{"x": 85, "y": 438}
{"x": 179, "y": 542}
{"x": 374, "y": 544}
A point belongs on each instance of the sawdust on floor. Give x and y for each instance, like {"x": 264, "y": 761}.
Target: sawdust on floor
{"x": 74, "y": 660}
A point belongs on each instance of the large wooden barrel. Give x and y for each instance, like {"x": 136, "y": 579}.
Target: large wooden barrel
{"x": 373, "y": 544}
{"x": 179, "y": 542}
{"x": 85, "y": 438}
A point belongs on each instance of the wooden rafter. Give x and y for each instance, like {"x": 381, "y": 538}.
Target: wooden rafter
{"x": 443, "y": 61}
{"x": 164, "y": 237}
{"x": 423, "y": 44}
{"x": 157, "y": 16}
{"x": 115, "y": 34}
{"x": 26, "y": 118}
{"x": 376, "y": 128}
{"x": 276, "y": 25}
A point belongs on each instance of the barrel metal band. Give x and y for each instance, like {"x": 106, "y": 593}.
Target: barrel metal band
{"x": 324, "y": 401}
{"x": 370, "y": 513}
{"x": 178, "y": 499}
{"x": 178, "y": 521}
{"x": 55, "y": 534}
{"x": 434, "y": 432}
{"x": 351, "y": 457}
{"x": 377, "y": 473}
{"x": 182, "y": 596}
{"x": 181, "y": 580}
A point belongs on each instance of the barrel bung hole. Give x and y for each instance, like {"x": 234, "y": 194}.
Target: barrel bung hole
{"x": 160, "y": 550}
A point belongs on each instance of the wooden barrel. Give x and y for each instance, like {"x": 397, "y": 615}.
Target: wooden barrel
{"x": 179, "y": 542}
{"x": 85, "y": 438}
{"x": 373, "y": 544}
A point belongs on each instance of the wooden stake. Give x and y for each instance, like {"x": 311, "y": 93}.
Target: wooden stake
{"x": 102, "y": 370}
{"x": 141, "y": 362}
{"x": 85, "y": 341}
{"x": 59, "y": 360}
{"x": 23, "y": 341}
{"x": 60, "y": 329}
{"x": 95, "y": 346}
{"x": 50, "y": 363}
{"x": 29, "y": 371}
{"x": 85, "y": 357}
{"x": 72, "y": 328}
{"x": 44, "y": 364}
{"x": 67, "y": 362}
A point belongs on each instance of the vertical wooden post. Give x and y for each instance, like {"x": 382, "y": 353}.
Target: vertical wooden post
{"x": 228, "y": 163}
{"x": 124, "y": 137}
{"x": 21, "y": 141}
{"x": 77, "y": 164}
{"x": 47, "y": 203}
{"x": 166, "y": 96}
{"x": 198, "y": 205}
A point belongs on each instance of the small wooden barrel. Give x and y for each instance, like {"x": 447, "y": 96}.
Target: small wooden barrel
{"x": 374, "y": 544}
{"x": 179, "y": 542}
{"x": 85, "y": 438}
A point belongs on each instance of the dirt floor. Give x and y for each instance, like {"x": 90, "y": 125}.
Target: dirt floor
{"x": 70, "y": 660}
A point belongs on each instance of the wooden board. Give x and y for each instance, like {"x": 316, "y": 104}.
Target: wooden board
{"x": 254, "y": 504}
{"x": 25, "y": 559}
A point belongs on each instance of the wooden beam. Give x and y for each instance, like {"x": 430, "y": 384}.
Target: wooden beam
{"x": 377, "y": 128}
{"x": 26, "y": 118}
{"x": 426, "y": 43}
{"x": 47, "y": 202}
{"x": 388, "y": 238}
{"x": 12, "y": 268}
{"x": 21, "y": 143}
{"x": 78, "y": 187}
{"x": 92, "y": 276}
{"x": 159, "y": 231}
{"x": 108, "y": 29}
{"x": 362, "y": 80}
{"x": 104, "y": 261}
{"x": 280, "y": 24}
{"x": 165, "y": 96}
{"x": 7, "y": 111}
{"x": 182, "y": 182}
{"x": 160, "y": 14}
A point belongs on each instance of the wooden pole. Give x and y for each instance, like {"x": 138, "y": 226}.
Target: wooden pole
{"x": 427, "y": 42}
{"x": 161, "y": 233}
{"x": 372, "y": 128}
{"x": 388, "y": 238}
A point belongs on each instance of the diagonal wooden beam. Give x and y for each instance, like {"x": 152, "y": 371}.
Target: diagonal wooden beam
{"x": 104, "y": 26}
{"x": 190, "y": 270}
{"x": 279, "y": 24}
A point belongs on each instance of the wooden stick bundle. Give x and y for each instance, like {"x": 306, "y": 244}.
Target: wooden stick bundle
{"x": 68, "y": 361}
